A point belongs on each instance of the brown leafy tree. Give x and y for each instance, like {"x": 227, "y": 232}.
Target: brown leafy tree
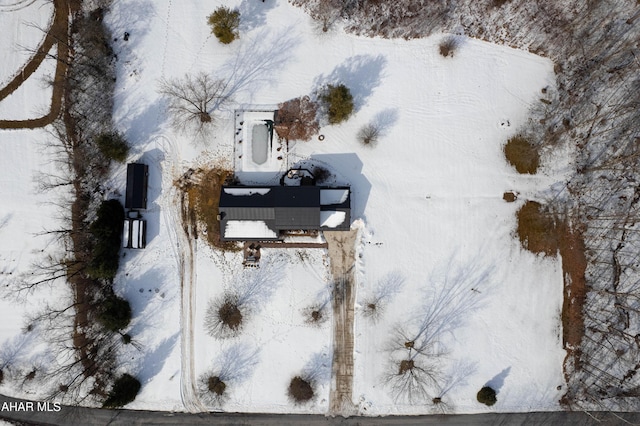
{"x": 296, "y": 119}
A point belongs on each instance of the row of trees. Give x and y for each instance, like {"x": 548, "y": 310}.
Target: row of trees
{"x": 194, "y": 99}
{"x": 83, "y": 331}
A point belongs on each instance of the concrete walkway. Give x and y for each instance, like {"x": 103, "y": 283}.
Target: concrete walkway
{"x": 342, "y": 259}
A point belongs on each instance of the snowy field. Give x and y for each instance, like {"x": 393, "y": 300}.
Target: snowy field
{"x": 436, "y": 240}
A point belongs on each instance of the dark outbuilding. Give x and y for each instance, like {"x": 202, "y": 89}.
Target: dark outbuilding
{"x": 137, "y": 180}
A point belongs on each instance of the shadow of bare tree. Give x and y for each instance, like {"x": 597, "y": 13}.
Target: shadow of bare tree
{"x": 257, "y": 62}
{"x": 416, "y": 346}
{"x": 360, "y": 73}
{"x": 253, "y": 13}
{"x": 233, "y": 366}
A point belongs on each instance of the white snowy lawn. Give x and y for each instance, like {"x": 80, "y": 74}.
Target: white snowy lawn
{"x": 428, "y": 198}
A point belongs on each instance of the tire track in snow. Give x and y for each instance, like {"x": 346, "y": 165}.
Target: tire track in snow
{"x": 184, "y": 252}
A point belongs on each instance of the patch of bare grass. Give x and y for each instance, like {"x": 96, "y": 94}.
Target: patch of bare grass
{"x": 537, "y": 229}
{"x": 574, "y": 264}
{"x": 203, "y": 191}
{"x": 522, "y": 155}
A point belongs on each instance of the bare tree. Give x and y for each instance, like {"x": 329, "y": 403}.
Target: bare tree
{"x": 374, "y": 304}
{"x": 232, "y": 367}
{"x": 193, "y": 99}
{"x": 368, "y": 135}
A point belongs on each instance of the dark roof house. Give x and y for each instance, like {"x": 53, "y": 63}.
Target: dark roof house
{"x": 263, "y": 213}
{"x": 137, "y": 179}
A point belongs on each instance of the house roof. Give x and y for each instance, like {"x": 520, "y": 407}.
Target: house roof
{"x": 280, "y": 208}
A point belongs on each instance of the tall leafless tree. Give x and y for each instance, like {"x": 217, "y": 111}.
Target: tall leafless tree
{"x": 193, "y": 99}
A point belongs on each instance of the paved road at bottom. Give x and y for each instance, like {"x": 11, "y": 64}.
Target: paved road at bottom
{"x": 80, "y": 416}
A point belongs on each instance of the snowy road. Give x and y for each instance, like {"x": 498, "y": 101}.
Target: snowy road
{"x": 80, "y": 416}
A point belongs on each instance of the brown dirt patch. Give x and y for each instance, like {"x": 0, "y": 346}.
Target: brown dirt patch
{"x": 510, "y": 196}
{"x": 522, "y": 155}
{"x": 203, "y": 188}
{"x": 537, "y": 229}
{"x": 574, "y": 264}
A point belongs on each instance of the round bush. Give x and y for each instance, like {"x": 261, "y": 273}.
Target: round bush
{"x": 230, "y": 315}
{"x": 113, "y": 146}
{"x": 107, "y": 234}
{"x": 115, "y": 313}
{"x": 224, "y": 24}
{"x": 215, "y": 385}
{"x": 300, "y": 390}
{"x": 487, "y": 396}
{"x": 125, "y": 389}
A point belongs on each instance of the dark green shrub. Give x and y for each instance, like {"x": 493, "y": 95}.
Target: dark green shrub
{"x": 522, "y": 155}
{"x": 487, "y": 396}
{"x": 338, "y": 102}
{"x": 107, "y": 235}
{"x": 113, "y": 146}
{"x": 114, "y": 313}
{"x": 224, "y": 24}
{"x": 125, "y": 389}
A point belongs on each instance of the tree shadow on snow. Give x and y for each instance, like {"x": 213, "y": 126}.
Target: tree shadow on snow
{"x": 318, "y": 368}
{"x": 385, "y": 120}
{"x": 155, "y": 359}
{"x": 498, "y": 381}
{"x": 360, "y": 73}
{"x": 144, "y": 120}
{"x": 257, "y": 63}
{"x": 140, "y": 291}
{"x": 135, "y": 21}
{"x": 253, "y": 14}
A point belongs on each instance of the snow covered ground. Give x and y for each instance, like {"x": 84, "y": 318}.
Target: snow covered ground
{"x": 429, "y": 195}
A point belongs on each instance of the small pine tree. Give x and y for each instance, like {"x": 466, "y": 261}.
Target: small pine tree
{"x": 113, "y": 146}
{"x": 115, "y": 313}
{"x": 487, "y": 396}
{"x": 125, "y": 389}
{"x": 106, "y": 231}
{"x": 338, "y": 101}
{"x": 224, "y": 24}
